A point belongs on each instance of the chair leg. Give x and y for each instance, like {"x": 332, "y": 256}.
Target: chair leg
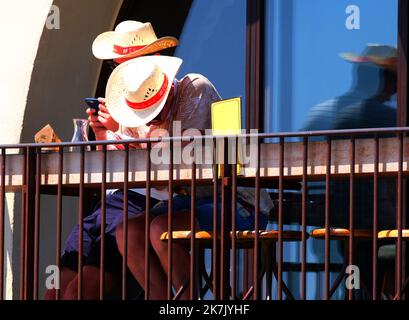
{"x": 264, "y": 267}
{"x": 203, "y": 276}
{"x": 182, "y": 289}
{"x": 402, "y": 289}
{"x": 268, "y": 255}
{"x": 275, "y": 272}
{"x": 341, "y": 274}
{"x": 200, "y": 273}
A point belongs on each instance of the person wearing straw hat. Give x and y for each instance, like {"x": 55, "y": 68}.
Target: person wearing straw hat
{"x": 374, "y": 83}
{"x": 143, "y": 97}
{"x": 365, "y": 105}
{"x": 130, "y": 39}
{"x": 140, "y": 109}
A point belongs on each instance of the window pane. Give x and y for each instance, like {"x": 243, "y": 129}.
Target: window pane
{"x": 312, "y": 85}
{"x": 306, "y": 77}
{"x": 213, "y": 44}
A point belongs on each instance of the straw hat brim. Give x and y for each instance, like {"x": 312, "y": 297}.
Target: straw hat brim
{"x": 104, "y": 43}
{"x": 116, "y": 92}
{"x": 386, "y": 63}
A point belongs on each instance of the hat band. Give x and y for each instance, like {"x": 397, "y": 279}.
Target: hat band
{"x": 126, "y": 50}
{"x": 151, "y": 101}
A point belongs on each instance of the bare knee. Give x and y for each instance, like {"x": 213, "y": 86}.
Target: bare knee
{"x": 158, "y": 226}
{"x": 136, "y": 230}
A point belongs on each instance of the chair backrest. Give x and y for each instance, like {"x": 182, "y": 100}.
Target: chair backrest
{"x": 226, "y": 120}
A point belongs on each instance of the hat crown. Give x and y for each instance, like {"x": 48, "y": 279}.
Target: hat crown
{"x": 142, "y": 81}
{"x": 134, "y": 33}
{"x": 380, "y": 51}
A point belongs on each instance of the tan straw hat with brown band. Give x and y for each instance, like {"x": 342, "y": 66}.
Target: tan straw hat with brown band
{"x": 137, "y": 89}
{"x": 130, "y": 39}
{"x": 383, "y": 56}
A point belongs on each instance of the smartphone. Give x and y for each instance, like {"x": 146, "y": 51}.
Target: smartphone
{"x": 93, "y": 103}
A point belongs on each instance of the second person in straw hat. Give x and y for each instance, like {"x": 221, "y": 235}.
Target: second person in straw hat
{"x": 142, "y": 97}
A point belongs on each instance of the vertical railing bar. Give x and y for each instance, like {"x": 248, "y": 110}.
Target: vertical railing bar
{"x": 256, "y": 293}
{"x": 225, "y": 225}
{"x": 170, "y": 229}
{"x": 222, "y": 225}
{"x": 193, "y": 231}
{"x": 327, "y": 217}
{"x": 30, "y": 185}
{"x": 399, "y": 220}
{"x": 215, "y": 248}
{"x": 81, "y": 223}
{"x": 59, "y": 218}
{"x": 103, "y": 223}
{"x": 280, "y": 221}
{"x": 351, "y": 209}
{"x": 23, "y": 226}
{"x": 233, "y": 220}
{"x": 2, "y": 218}
{"x": 125, "y": 222}
{"x": 375, "y": 220}
{"x": 28, "y": 202}
{"x": 304, "y": 219}
{"x": 37, "y": 223}
{"x": 147, "y": 219}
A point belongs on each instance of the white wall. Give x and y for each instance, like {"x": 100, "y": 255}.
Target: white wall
{"x": 21, "y": 26}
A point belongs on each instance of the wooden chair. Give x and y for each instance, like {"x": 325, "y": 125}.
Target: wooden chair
{"x": 341, "y": 234}
{"x": 393, "y": 235}
{"x": 244, "y": 240}
{"x": 226, "y": 120}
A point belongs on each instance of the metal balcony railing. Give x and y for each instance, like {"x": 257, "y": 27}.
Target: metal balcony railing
{"x": 303, "y": 173}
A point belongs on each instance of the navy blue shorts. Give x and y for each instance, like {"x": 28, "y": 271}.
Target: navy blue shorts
{"x": 136, "y": 207}
{"x": 244, "y": 215}
{"x": 113, "y": 218}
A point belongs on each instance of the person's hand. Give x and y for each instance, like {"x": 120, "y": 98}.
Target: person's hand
{"x": 98, "y": 128}
{"x": 105, "y": 118}
{"x": 102, "y": 122}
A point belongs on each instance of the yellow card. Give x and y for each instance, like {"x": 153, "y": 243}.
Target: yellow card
{"x": 226, "y": 120}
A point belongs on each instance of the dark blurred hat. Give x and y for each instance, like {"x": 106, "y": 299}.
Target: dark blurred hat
{"x": 384, "y": 56}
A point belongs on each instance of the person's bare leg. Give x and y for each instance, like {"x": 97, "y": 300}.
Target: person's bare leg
{"x": 66, "y": 276}
{"x": 181, "y": 256}
{"x": 90, "y": 285}
{"x": 136, "y": 257}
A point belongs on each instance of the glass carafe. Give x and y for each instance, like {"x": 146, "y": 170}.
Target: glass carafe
{"x": 81, "y": 127}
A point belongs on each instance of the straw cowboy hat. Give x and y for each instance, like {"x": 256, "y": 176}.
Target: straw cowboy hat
{"x": 383, "y": 56}
{"x": 130, "y": 39}
{"x": 137, "y": 90}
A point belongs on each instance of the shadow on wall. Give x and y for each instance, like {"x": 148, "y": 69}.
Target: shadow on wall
{"x": 65, "y": 70}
